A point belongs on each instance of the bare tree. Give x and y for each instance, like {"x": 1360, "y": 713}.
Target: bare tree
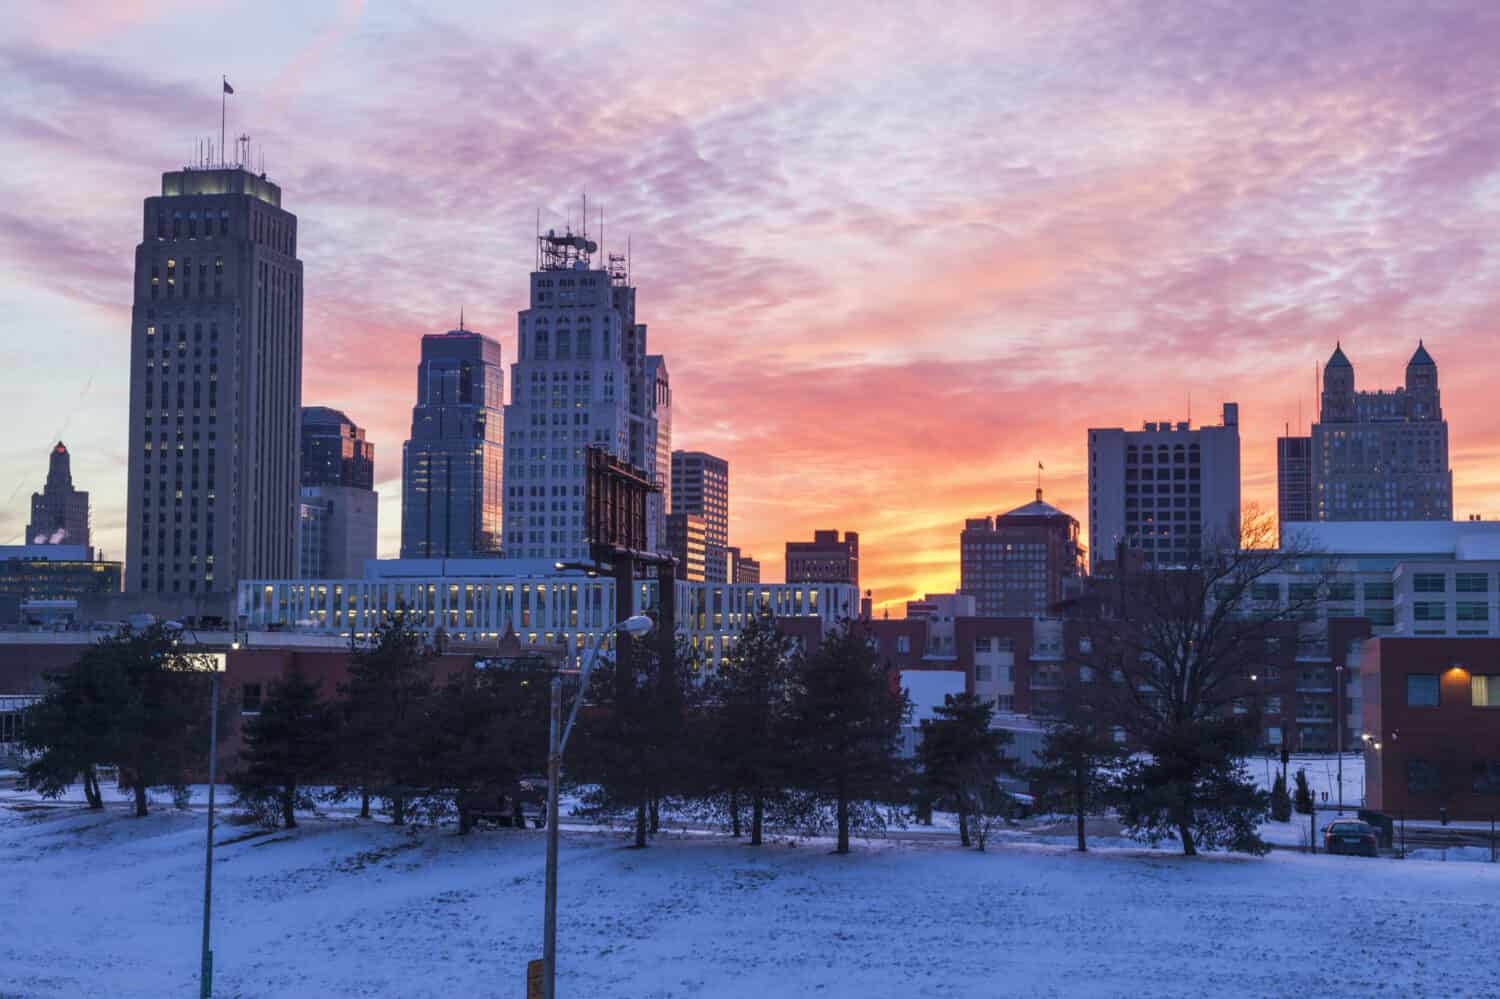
{"x": 1172, "y": 653}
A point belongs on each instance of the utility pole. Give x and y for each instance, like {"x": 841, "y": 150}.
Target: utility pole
{"x": 1339, "y": 675}
{"x": 206, "y": 970}
{"x": 554, "y": 775}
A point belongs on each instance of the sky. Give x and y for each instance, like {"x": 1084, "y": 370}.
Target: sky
{"x": 896, "y": 255}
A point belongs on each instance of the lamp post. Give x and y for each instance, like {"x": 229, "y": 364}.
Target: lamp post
{"x": 636, "y": 626}
{"x": 1339, "y": 674}
{"x": 206, "y": 963}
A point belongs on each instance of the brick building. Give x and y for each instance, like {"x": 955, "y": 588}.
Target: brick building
{"x": 824, "y": 559}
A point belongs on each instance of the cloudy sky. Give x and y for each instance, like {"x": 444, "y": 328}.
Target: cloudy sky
{"x": 895, "y": 254}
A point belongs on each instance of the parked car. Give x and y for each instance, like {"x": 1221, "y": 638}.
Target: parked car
{"x": 1351, "y": 836}
{"x": 1021, "y": 804}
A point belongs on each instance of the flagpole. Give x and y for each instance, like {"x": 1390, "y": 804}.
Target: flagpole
{"x": 223, "y": 107}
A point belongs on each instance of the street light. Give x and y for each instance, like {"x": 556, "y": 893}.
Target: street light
{"x": 637, "y": 626}
{"x": 219, "y": 663}
{"x": 1339, "y": 674}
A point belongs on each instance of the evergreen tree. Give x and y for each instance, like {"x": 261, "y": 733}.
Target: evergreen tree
{"x": 633, "y": 747}
{"x": 961, "y": 757}
{"x": 133, "y": 699}
{"x": 1281, "y": 802}
{"x": 748, "y": 703}
{"x": 1304, "y": 795}
{"x": 290, "y": 743}
{"x": 1194, "y": 785}
{"x": 845, "y": 727}
{"x": 383, "y": 701}
{"x": 1076, "y": 772}
{"x": 479, "y": 737}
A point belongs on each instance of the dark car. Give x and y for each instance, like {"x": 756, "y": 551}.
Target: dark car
{"x": 1351, "y": 836}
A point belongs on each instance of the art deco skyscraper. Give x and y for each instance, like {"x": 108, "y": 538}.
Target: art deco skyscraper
{"x": 1381, "y": 455}
{"x": 215, "y": 385}
{"x": 451, "y": 468}
{"x": 59, "y": 513}
{"x": 583, "y": 378}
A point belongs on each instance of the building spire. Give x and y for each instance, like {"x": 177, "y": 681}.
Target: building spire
{"x": 461, "y": 319}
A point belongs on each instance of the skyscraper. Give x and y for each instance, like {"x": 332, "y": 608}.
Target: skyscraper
{"x": 1167, "y": 490}
{"x": 451, "y": 467}
{"x": 1294, "y": 488}
{"x": 1016, "y": 565}
{"x": 700, "y": 486}
{"x": 582, "y": 377}
{"x": 687, "y": 540}
{"x": 338, "y": 517}
{"x": 215, "y": 385}
{"x": 59, "y": 513}
{"x": 1381, "y": 455}
{"x": 334, "y": 450}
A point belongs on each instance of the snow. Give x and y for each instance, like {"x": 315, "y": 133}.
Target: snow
{"x": 110, "y": 905}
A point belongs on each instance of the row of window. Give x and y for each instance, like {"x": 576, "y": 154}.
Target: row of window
{"x": 1424, "y": 690}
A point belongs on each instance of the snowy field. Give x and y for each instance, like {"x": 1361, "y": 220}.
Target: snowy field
{"x": 109, "y": 905}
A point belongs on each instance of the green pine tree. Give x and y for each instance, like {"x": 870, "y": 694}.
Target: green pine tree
{"x": 1304, "y": 795}
{"x": 1281, "y": 802}
{"x": 961, "y": 757}
{"x": 288, "y": 745}
{"x": 1076, "y": 772}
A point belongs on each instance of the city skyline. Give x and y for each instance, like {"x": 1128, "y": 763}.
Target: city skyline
{"x": 1232, "y": 228}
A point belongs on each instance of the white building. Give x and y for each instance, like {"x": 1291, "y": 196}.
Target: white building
{"x": 582, "y": 377}
{"x": 478, "y": 600}
{"x": 1167, "y": 489}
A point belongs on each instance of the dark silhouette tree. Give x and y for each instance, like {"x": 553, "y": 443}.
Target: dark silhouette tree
{"x": 1077, "y": 772}
{"x": 845, "y": 727}
{"x": 289, "y": 744}
{"x": 962, "y": 757}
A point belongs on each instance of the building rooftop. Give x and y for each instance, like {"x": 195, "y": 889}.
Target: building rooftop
{"x": 1036, "y": 508}
{"x": 1466, "y": 540}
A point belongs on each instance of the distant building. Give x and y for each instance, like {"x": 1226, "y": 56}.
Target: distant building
{"x": 1381, "y": 455}
{"x": 1018, "y": 564}
{"x": 824, "y": 559}
{"x": 337, "y": 531}
{"x": 1168, "y": 490}
{"x": 1294, "y": 485}
{"x": 42, "y": 583}
{"x": 59, "y": 513}
{"x": 700, "y": 486}
{"x": 215, "y": 386}
{"x": 940, "y": 611}
{"x": 687, "y": 540}
{"x": 334, "y": 450}
{"x": 742, "y": 568}
{"x": 451, "y": 467}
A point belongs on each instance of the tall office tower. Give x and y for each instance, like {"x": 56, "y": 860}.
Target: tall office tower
{"x": 700, "y": 486}
{"x": 1381, "y": 455}
{"x": 1017, "y": 564}
{"x": 338, "y": 517}
{"x": 1167, "y": 490}
{"x": 59, "y": 513}
{"x": 1294, "y": 488}
{"x": 451, "y": 467}
{"x": 824, "y": 559}
{"x": 215, "y": 385}
{"x": 334, "y": 450}
{"x": 582, "y": 377}
{"x": 687, "y": 540}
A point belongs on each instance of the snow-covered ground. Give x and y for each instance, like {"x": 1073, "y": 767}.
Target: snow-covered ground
{"x": 110, "y": 905}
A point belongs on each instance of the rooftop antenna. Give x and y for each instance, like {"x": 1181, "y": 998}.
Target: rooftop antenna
{"x": 461, "y": 319}
{"x": 537, "y": 244}
{"x": 1190, "y": 408}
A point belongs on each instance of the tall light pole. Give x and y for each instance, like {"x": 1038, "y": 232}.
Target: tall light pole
{"x": 637, "y": 626}
{"x": 206, "y": 965}
{"x": 1338, "y": 672}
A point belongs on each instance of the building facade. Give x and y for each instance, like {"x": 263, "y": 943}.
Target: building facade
{"x": 1294, "y": 486}
{"x": 334, "y": 450}
{"x": 1168, "y": 490}
{"x": 451, "y": 468}
{"x": 1018, "y": 564}
{"x": 582, "y": 377}
{"x": 687, "y": 540}
{"x": 1381, "y": 455}
{"x": 700, "y": 486}
{"x": 1431, "y": 737}
{"x": 338, "y": 529}
{"x": 59, "y": 513}
{"x": 42, "y": 583}
{"x": 824, "y": 559}
{"x": 478, "y": 600}
{"x": 215, "y": 385}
